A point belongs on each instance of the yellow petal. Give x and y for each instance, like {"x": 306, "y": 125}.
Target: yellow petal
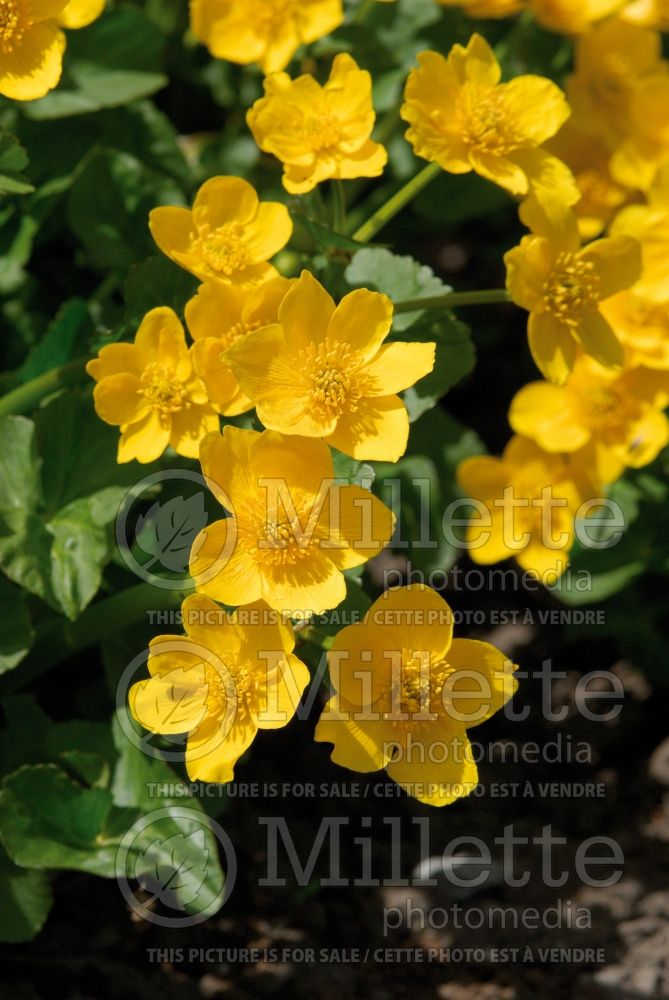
{"x": 226, "y": 464}
{"x": 222, "y": 387}
{"x": 144, "y": 440}
{"x": 617, "y": 262}
{"x": 170, "y": 703}
{"x": 80, "y": 13}
{"x": 598, "y": 339}
{"x": 361, "y": 746}
{"x": 536, "y": 106}
{"x": 214, "y": 749}
{"x": 172, "y": 229}
{"x": 482, "y": 476}
{"x": 414, "y": 618}
{"x": 552, "y": 347}
{"x": 398, "y": 366}
{"x": 117, "y": 359}
{"x": 362, "y": 320}
{"x": 305, "y": 313}
{"x": 119, "y": 399}
{"x": 482, "y": 669}
{"x": 528, "y": 267}
{"x": 546, "y": 413}
{"x": 221, "y": 200}
{"x": 358, "y": 519}
{"x": 189, "y": 426}
{"x": 279, "y": 694}
{"x": 437, "y": 784}
{"x": 311, "y": 587}
{"x": 648, "y": 437}
{"x": 215, "y": 310}
{"x": 222, "y": 567}
{"x": 33, "y": 67}
{"x": 268, "y": 232}
{"x": 377, "y": 430}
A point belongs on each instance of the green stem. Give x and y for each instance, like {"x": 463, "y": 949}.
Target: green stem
{"x": 28, "y": 397}
{"x": 488, "y": 296}
{"x": 396, "y": 203}
{"x": 57, "y": 639}
{"x": 338, "y": 206}
{"x": 361, "y": 12}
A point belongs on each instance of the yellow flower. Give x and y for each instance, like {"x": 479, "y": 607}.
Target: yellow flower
{"x": 323, "y": 371}
{"x": 463, "y": 118}
{"x": 406, "y": 693}
{"x": 643, "y": 327}
{"x": 268, "y": 32}
{"x": 149, "y": 389}
{"x": 611, "y": 62}
{"x": 228, "y": 236}
{"x": 588, "y": 158}
{"x": 571, "y": 17}
{"x": 218, "y": 316}
{"x": 639, "y": 158}
{"x": 562, "y": 285}
{"x": 80, "y": 13}
{"x": 526, "y": 503}
{"x": 649, "y": 224}
{"x": 319, "y": 132}
{"x": 31, "y": 47}
{"x": 228, "y": 677}
{"x": 618, "y": 413}
{"x": 292, "y": 531}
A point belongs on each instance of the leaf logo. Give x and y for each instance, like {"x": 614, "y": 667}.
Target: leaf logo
{"x": 174, "y": 870}
{"x": 167, "y": 531}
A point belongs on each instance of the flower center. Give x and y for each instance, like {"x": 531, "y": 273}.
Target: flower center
{"x": 483, "y": 121}
{"x": 223, "y": 249}
{"x": 281, "y": 542}
{"x": 571, "y": 288}
{"x": 322, "y": 132}
{"x": 227, "y": 690}
{"x": 11, "y": 30}
{"x": 328, "y": 368}
{"x": 416, "y": 688}
{"x": 162, "y": 389}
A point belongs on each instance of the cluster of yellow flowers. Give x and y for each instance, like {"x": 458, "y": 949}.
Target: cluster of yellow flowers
{"x": 322, "y": 375}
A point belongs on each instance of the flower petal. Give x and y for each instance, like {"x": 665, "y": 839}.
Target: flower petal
{"x": 399, "y": 365}
{"x": 545, "y": 412}
{"x": 552, "y": 347}
{"x": 119, "y": 399}
{"x": 378, "y": 429}
{"x": 362, "y": 320}
{"x": 222, "y": 567}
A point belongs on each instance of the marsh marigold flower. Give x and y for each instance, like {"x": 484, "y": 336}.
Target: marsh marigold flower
{"x": 611, "y": 62}
{"x": 642, "y": 326}
{"x": 618, "y": 413}
{"x": 463, "y": 118}
{"x": 228, "y": 236}
{"x": 268, "y": 32}
{"x": 31, "y": 47}
{"x": 319, "y": 132}
{"x": 149, "y": 390}
{"x": 228, "y": 677}
{"x": 80, "y": 13}
{"x": 324, "y": 371}
{"x": 292, "y": 531}
{"x": 217, "y": 317}
{"x": 406, "y": 693}
{"x": 562, "y": 285}
{"x": 526, "y": 503}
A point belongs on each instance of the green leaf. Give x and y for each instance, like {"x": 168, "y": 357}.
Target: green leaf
{"x": 63, "y": 341}
{"x": 16, "y": 633}
{"x": 26, "y": 900}
{"x": 13, "y": 161}
{"x": 326, "y": 239}
{"x": 109, "y": 64}
{"x": 455, "y": 357}
{"x": 157, "y": 282}
{"x": 55, "y": 535}
{"x": 400, "y": 278}
{"x": 109, "y": 204}
{"x": 49, "y": 821}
